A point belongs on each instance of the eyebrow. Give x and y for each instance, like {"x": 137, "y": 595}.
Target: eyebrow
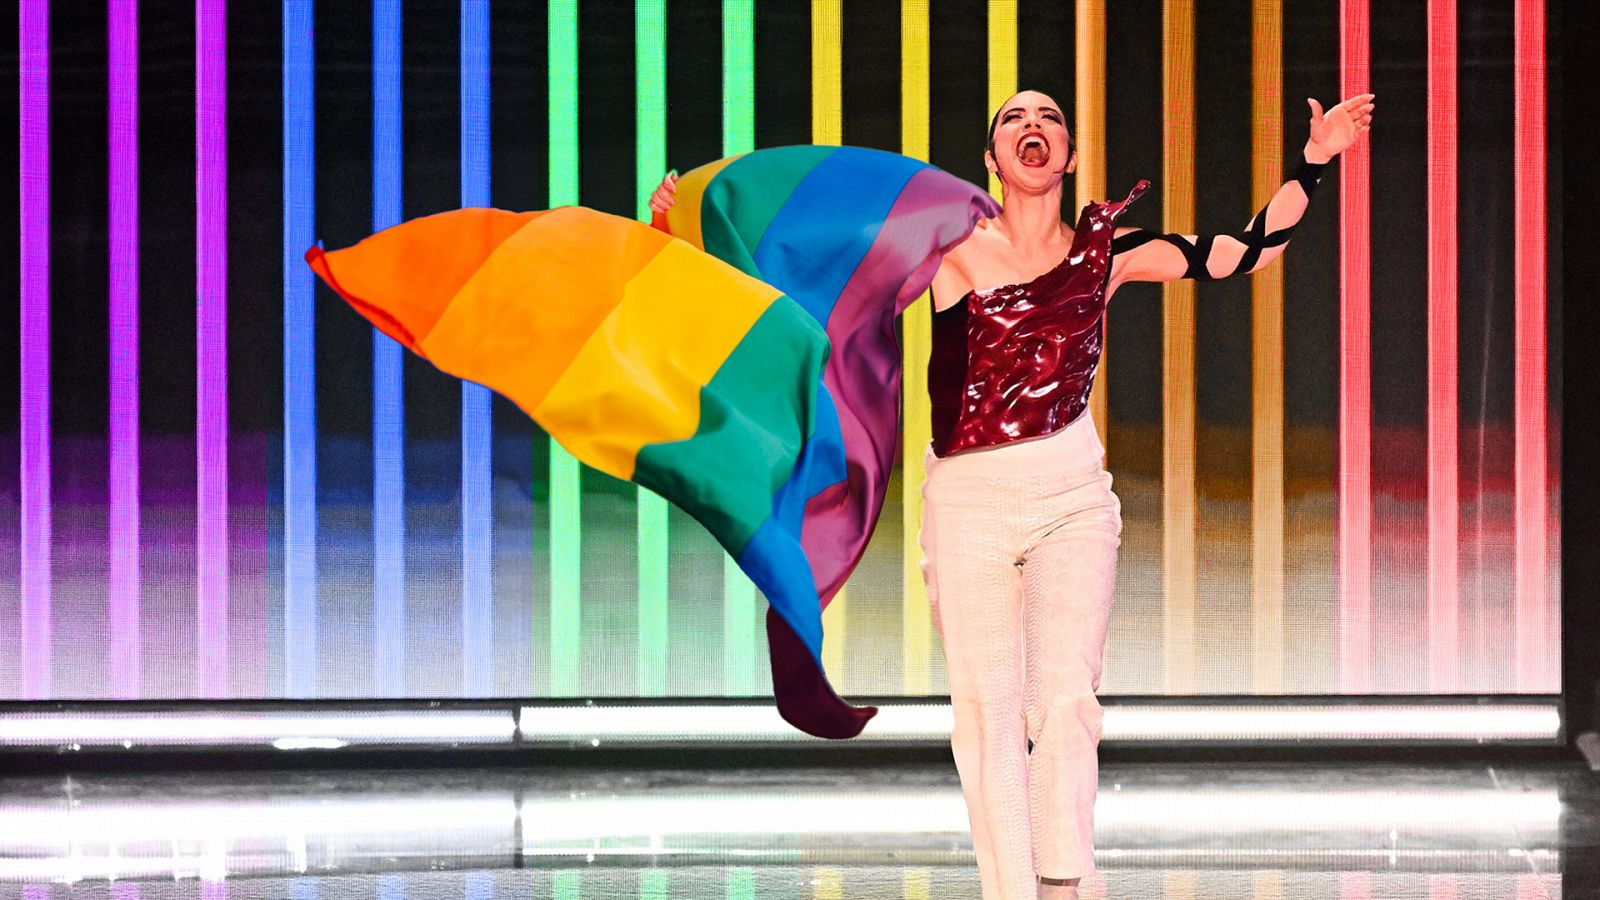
{"x": 1025, "y": 109}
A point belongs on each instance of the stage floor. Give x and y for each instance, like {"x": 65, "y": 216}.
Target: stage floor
{"x": 1237, "y": 830}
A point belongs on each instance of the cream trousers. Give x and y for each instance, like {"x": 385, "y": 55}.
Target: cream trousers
{"x": 1019, "y": 545}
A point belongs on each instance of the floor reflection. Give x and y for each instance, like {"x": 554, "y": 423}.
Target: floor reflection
{"x": 1162, "y": 831}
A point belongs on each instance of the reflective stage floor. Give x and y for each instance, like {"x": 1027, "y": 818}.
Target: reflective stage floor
{"x": 1239, "y": 830}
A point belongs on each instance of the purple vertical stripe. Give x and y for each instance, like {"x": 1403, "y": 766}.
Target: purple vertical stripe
{"x": 211, "y": 347}
{"x": 33, "y": 120}
{"x": 123, "y": 649}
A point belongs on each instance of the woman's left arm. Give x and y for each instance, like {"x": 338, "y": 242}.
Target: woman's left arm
{"x": 1141, "y": 255}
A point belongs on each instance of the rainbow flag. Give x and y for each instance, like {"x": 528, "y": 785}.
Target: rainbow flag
{"x": 739, "y": 359}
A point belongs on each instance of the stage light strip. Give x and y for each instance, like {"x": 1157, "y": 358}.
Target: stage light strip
{"x": 916, "y": 324}
{"x": 33, "y": 158}
{"x": 123, "y": 645}
{"x": 566, "y": 518}
{"x": 1089, "y": 181}
{"x": 299, "y": 355}
{"x": 1353, "y": 625}
{"x": 1266, "y": 359}
{"x": 1131, "y": 722}
{"x": 388, "y": 389}
{"x": 477, "y": 526}
{"x": 827, "y": 127}
{"x": 54, "y": 841}
{"x": 1535, "y": 663}
{"x": 246, "y": 728}
{"x": 211, "y": 343}
{"x": 650, "y": 163}
{"x": 740, "y": 604}
{"x": 1002, "y": 55}
{"x": 1444, "y": 509}
{"x": 1178, "y": 351}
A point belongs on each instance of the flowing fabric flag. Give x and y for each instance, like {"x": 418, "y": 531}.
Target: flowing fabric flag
{"x": 739, "y": 358}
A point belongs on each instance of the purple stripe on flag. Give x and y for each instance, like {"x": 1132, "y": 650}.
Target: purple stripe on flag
{"x": 33, "y": 120}
{"x": 211, "y": 349}
{"x": 863, "y": 371}
{"x": 123, "y": 596}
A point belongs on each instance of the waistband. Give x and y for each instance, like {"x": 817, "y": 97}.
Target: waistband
{"x": 1073, "y": 449}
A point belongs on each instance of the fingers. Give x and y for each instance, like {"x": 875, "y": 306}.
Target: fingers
{"x": 1316, "y": 108}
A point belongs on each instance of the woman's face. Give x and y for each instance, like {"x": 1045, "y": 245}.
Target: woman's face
{"x": 1031, "y": 145}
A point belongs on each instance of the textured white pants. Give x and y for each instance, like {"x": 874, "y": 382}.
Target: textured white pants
{"x": 1019, "y": 547}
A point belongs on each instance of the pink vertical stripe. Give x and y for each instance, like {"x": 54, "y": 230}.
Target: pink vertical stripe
{"x": 122, "y": 614}
{"x": 33, "y": 128}
{"x": 1534, "y": 653}
{"x": 1355, "y": 371}
{"x": 1444, "y": 598}
{"x": 211, "y": 335}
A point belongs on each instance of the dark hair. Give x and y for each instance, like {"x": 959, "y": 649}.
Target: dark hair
{"x": 995, "y": 121}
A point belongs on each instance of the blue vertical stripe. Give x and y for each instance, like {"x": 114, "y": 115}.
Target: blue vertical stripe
{"x": 477, "y": 598}
{"x": 299, "y": 357}
{"x": 388, "y": 399}
{"x": 478, "y": 886}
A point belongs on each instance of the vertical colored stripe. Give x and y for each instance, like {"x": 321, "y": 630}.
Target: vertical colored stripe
{"x": 1354, "y": 634}
{"x": 477, "y": 537}
{"x": 650, "y": 135}
{"x": 33, "y": 159}
{"x": 1089, "y": 127}
{"x": 827, "y": 127}
{"x": 388, "y": 397}
{"x": 566, "y": 522}
{"x": 739, "y": 602}
{"x": 299, "y": 356}
{"x": 1443, "y": 508}
{"x": 1266, "y": 358}
{"x": 122, "y": 598}
{"x": 211, "y": 341}
{"x": 1002, "y": 44}
{"x": 1533, "y": 651}
{"x": 1178, "y": 350}
{"x": 916, "y": 637}
{"x": 827, "y": 71}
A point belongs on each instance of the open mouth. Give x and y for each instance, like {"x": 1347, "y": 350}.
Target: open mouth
{"x": 1033, "y": 150}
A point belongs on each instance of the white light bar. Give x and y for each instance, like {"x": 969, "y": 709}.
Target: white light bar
{"x": 596, "y": 725}
{"x": 286, "y": 730}
{"x": 107, "y": 834}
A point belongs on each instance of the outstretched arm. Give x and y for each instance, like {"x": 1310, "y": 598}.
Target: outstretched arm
{"x": 1141, "y": 255}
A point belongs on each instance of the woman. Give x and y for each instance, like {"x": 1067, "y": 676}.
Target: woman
{"x": 1020, "y": 527}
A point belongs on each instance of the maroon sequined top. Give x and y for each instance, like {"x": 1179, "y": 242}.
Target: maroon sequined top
{"x": 1018, "y": 360}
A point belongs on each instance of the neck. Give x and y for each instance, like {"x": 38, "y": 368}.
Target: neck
{"x": 1032, "y": 220}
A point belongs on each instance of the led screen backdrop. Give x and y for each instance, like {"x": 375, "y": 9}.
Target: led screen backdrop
{"x": 1338, "y": 475}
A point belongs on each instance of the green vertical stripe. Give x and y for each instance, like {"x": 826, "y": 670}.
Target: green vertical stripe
{"x": 650, "y": 105}
{"x": 739, "y": 601}
{"x": 738, "y": 76}
{"x": 566, "y": 521}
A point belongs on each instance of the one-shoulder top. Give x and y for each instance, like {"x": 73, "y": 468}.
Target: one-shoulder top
{"x": 1018, "y": 360}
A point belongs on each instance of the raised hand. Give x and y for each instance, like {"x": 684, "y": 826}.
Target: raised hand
{"x": 1338, "y": 128}
{"x": 665, "y": 194}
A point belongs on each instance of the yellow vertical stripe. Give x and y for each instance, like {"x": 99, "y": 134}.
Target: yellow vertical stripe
{"x": 1089, "y": 133}
{"x": 1002, "y": 63}
{"x": 1266, "y": 356}
{"x": 916, "y": 323}
{"x": 1177, "y": 349}
{"x": 827, "y": 127}
{"x": 827, "y": 75}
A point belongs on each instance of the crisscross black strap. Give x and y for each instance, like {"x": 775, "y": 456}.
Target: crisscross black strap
{"x": 1255, "y": 237}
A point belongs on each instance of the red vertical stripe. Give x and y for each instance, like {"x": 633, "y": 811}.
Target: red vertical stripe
{"x": 1355, "y": 371}
{"x": 1533, "y": 652}
{"x": 1443, "y": 506}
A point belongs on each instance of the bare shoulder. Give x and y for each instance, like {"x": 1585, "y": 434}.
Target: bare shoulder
{"x": 953, "y": 279}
